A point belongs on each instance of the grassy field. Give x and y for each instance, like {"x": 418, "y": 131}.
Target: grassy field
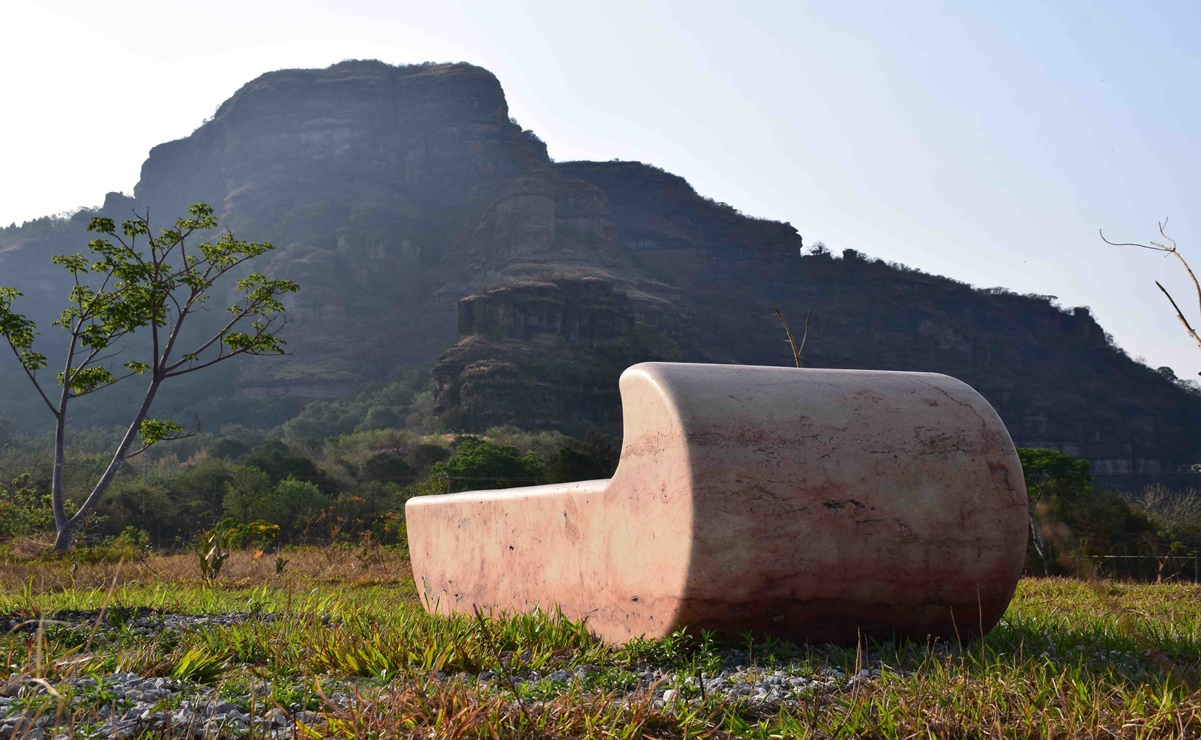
{"x": 338, "y": 642}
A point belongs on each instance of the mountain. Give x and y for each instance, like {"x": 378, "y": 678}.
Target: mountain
{"x": 426, "y": 227}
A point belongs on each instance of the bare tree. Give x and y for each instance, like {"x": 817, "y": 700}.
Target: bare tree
{"x": 1172, "y": 250}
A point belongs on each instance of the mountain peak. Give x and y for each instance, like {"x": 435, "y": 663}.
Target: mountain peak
{"x": 392, "y": 193}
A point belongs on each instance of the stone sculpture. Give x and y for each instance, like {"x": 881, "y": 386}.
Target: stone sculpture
{"x": 813, "y": 505}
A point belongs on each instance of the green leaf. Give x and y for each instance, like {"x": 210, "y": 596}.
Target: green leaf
{"x": 102, "y": 225}
{"x": 157, "y": 430}
{"x": 200, "y": 665}
{"x": 19, "y": 331}
{"x": 88, "y": 379}
{"x": 1050, "y": 472}
{"x": 72, "y": 262}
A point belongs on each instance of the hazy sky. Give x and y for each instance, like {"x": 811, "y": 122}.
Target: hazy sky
{"x": 987, "y": 141}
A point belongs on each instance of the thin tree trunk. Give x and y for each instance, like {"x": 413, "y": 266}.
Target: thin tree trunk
{"x": 56, "y": 479}
{"x": 60, "y": 445}
{"x": 67, "y": 530}
{"x": 1040, "y": 546}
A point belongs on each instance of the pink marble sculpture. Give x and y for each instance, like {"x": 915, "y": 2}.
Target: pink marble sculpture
{"x": 814, "y": 505}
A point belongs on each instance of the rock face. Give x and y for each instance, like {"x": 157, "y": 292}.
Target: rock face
{"x": 393, "y": 193}
{"x": 544, "y": 354}
{"x": 549, "y": 312}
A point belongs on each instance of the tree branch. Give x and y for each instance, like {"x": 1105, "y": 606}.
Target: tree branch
{"x": 1172, "y": 250}
{"x": 1128, "y": 244}
{"x": 222, "y": 357}
{"x": 1180, "y": 315}
{"x": 796, "y": 351}
{"x": 796, "y": 357}
{"x": 114, "y": 381}
{"x": 243, "y": 313}
{"x": 34, "y": 380}
{"x": 804, "y": 337}
{"x": 172, "y": 438}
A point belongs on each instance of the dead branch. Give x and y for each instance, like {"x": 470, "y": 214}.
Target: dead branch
{"x": 796, "y": 351}
{"x": 1172, "y": 250}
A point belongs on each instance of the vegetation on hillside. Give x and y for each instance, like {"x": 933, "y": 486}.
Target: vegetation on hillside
{"x": 338, "y": 489}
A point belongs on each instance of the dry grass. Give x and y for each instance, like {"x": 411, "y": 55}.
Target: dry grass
{"x": 348, "y": 566}
{"x": 1071, "y": 659}
{"x": 436, "y": 710}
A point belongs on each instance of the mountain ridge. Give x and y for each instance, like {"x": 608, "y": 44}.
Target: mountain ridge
{"x": 394, "y": 194}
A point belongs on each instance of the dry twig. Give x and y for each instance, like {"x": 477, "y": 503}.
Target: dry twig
{"x": 796, "y": 351}
{"x": 1172, "y": 250}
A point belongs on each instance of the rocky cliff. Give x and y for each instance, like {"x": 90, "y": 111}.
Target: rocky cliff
{"x": 427, "y": 227}
{"x": 544, "y": 353}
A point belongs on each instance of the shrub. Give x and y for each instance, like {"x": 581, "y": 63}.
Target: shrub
{"x": 479, "y": 464}
{"x": 24, "y": 510}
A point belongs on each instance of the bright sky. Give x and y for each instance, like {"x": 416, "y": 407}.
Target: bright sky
{"x": 986, "y": 141}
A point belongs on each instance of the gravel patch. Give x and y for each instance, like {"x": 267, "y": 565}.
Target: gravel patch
{"x": 126, "y": 705}
{"x": 141, "y": 621}
{"x": 123, "y": 705}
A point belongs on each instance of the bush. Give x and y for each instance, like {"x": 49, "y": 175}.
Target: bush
{"x": 248, "y": 495}
{"x": 387, "y": 466}
{"x": 479, "y": 464}
{"x": 278, "y": 461}
{"x": 569, "y": 465}
{"x": 148, "y": 506}
{"x": 296, "y": 506}
{"x": 228, "y": 448}
{"x": 1071, "y": 524}
{"x": 24, "y": 510}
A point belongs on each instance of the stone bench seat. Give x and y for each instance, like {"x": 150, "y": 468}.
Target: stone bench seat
{"x": 813, "y": 505}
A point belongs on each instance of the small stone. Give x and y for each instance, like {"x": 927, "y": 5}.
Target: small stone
{"x": 560, "y": 676}
{"x": 669, "y": 695}
{"x": 183, "y": 717}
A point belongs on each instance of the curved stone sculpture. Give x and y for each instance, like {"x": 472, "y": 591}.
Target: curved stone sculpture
{"x": 814, "y": 505}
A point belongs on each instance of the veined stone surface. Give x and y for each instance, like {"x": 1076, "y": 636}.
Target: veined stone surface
{"x": 814, "y": 505}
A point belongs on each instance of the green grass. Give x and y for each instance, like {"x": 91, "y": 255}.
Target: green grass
{"x": 1070, "y": 659}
